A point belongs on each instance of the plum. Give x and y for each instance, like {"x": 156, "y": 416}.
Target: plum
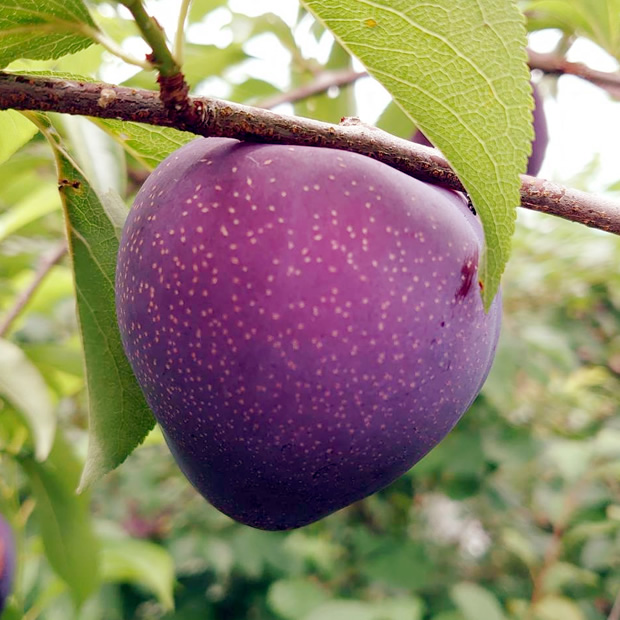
{"x": 539, "y": 143}
{"x": 7, "y": 561}
{"x": 541, "y": 136}
{"x": 305, "y": 323}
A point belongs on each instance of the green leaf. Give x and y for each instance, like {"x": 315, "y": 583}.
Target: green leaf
{"x": 476, "y": 603}
{"x": 342, "y": 610}
{"x": 390, "y": 609}
{"x": 12, "y": 612}
{"x": 598, "y": 20}
{"x": 23, "y": 385}
{"x": 42, "y": 30}
{"x": 395, "y": 121}
{"x": 563, "y": 575}
{"x": 40, "y": 202}
{"x": 614, "y": 187}
{"x": 245, "y": 28}
{"x": 203, "y": 61}
{"x": 63, "y": 356}
{"x": 397, "y": 564}
{"x": 323, "y": 106}
{"x": 200, "y": 62}
{"x": 199, "y": 8}
{"x": 64, "y": 520}
{"x": 294, "y": 598}
{"x": 140, "y": 562}
{"x": 514, "y": 541}
{"x": 15, "y": 130}
{"x": 147, "y": 143}
{"x": 408, "y": 608}
{"x": 252, "y": 90}
{"x": 21, "y": 174}
{"x": 554, "y": 607}
{"x": 119, "y": 418}
{"x": 458, "y": 69}
{"x": 570, "y": 458}
{"x": 100, "y": 157}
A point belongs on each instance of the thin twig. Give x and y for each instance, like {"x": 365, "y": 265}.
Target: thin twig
{"x": 111, "y": 46}
{"x": 323, "y": 82}
{"x": 558, "y": 65}
{"x": 45, "y": 266}
{"x": 179, "y": 37}
{"x": 215, "y": 117}
{"x": 547, "y": 63}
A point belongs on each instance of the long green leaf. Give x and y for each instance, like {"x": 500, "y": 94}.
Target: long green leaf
{"x": 119, "y": 418}
{"x": 100, "y": 157}
{"x": 64, "y": 520}
{"x": 599, "y": 20}
{"x": 15, "y": 130}
{"x": 388, "y": 609}
{"x": 476, "y": 603}
{"x": 458, "y": 69}
{"x": 40, "y": 202}
{"x": 23, "y": 385}
{"x": 42, "y": 30}
{"x": 295, "y": 598}
{"x": 147, "y": 143}
{"x": 140, "y": 562}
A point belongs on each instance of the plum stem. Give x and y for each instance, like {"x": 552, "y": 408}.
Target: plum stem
{"x": 173, "y": 88}
{"x": 161, "y": 57}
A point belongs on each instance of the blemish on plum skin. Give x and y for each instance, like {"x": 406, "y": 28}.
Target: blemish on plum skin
{"x": 468, "y": 270}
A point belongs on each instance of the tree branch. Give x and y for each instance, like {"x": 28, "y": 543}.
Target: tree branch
{"x": 45, "y": 266}
{"x": 558, "y": 65}
{"x": 324, "y": 81}
{"x": 553, "y": 64}
{"x": 215, "y": 117}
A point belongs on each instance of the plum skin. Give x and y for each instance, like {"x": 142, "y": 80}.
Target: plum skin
{"x": 541, "y": 135}
{"x": 7, "y": 561}
{"x": 539, "y": 143}
{"x": 305, "y": 323}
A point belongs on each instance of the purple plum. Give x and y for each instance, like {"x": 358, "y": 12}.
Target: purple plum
{"x": 7, "y": 561}
{"x": 541, "y": 135}
{"x": 305, "y": 323}
{"x": 539, "y": 144}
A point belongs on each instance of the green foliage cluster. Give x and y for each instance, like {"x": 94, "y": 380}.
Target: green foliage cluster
{"x": 515, "y": 516}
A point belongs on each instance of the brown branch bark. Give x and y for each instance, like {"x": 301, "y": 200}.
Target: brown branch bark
{"x": 558, "y": 65}
{"x": 215, "y": 117}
